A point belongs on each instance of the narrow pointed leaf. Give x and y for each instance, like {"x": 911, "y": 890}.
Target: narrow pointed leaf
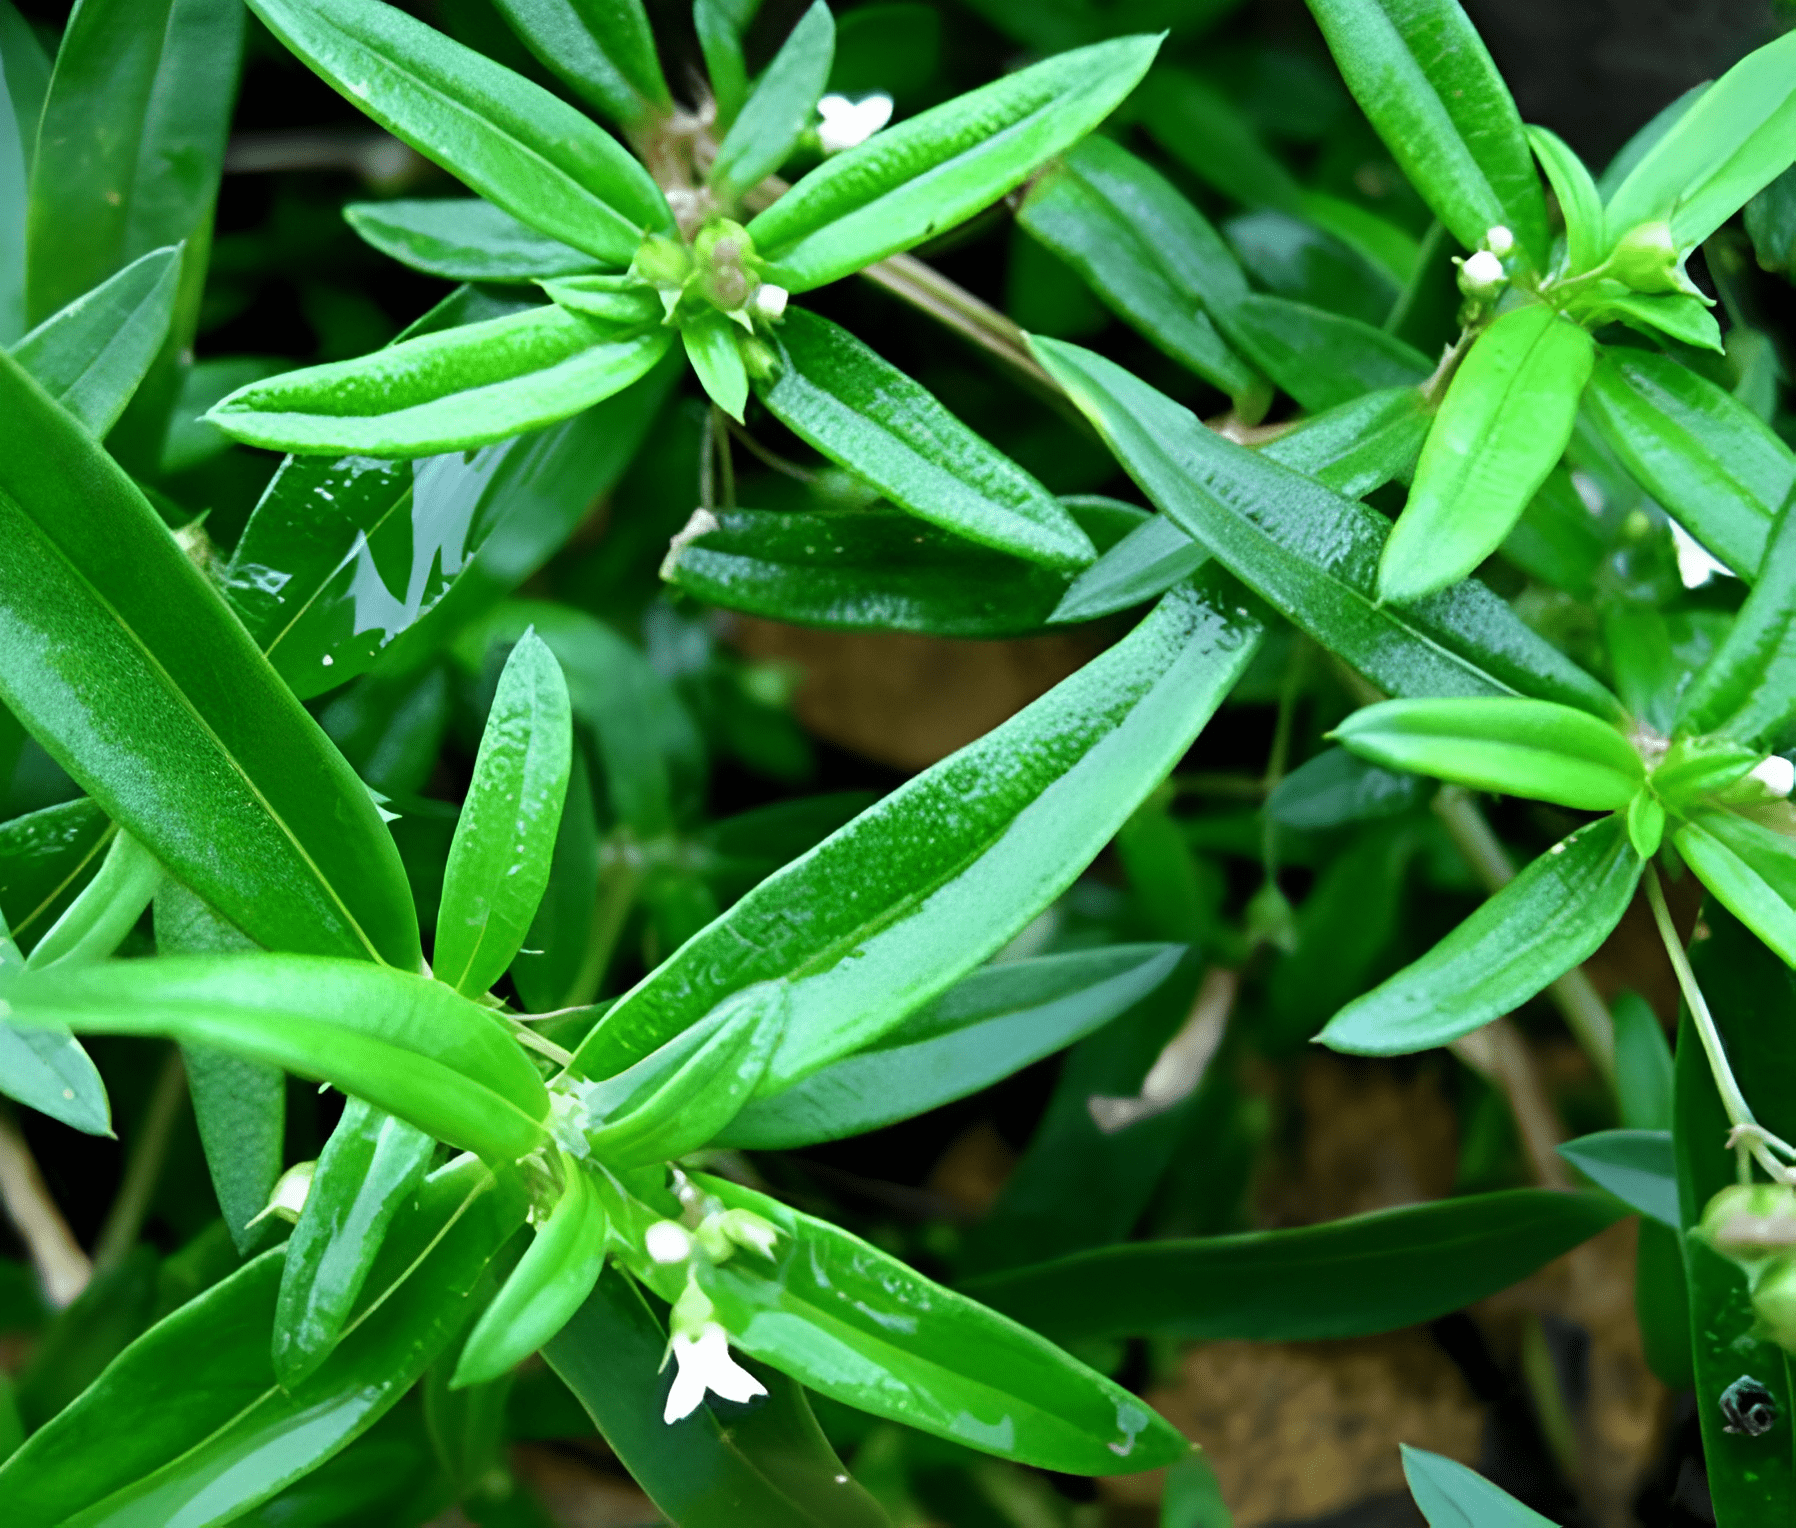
{"x": 866, "y": 415}
{"x": 862, "y": 1327}
{"x": 720, "y": 40}
{"x": 46, "y": 1069}
{"x": 499, "y": 859}
{"x": 1502, "y": 428}
{"x": 716, "y": 357}
{"x": 91, "y": 355}
{"x": 1452, "y": 1496}
{"x": 1311, "y": 553}
{"x": 1580, "y": 203}
{"x": 1158, "y": 554}
{"x": 1750, "y": 869}
{"x": 106, "y": 910}
{"x": 1357, "y": 446}
{"x": 1548, "y": 919}
{"x": 1425, "y": 79}
{"x": 45, "y": 858}
{"x": 1321, "y": 359}
{"x": 464, "y": 238}
{"x": 932, "y": 173}
{"x": 1637, "y": 1166}
{"x": 447, "y": 391}
{"x": 1675, "y": 315}
{"x": 24, "y": 76}
{"x": 214, "y": 746}
{"x": 405, "y": 1043}
{"x": 897, "y": 914}
{"x": 504, "y": 137}
{"x": 779, "y": 108}
{"x": 1213, "y": 138}
{"x": 602, "y": 50}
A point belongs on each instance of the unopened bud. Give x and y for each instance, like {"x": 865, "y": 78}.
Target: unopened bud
{"x": 1774, "y": 1301}
{"x": 1776, "y": 774}
{"x": 668, "y": 1242}
{"x": 662, "y": 261}
{"x": 1499, "y": 240}
{"x": 1481, "y": 275}
{"x": 1646, "y": 258}
{"x": 289, "y": 1195}
{"x": 847, "y": 124}
{"x": 1751, "y": 1222}
{"x": 770, "y": 301}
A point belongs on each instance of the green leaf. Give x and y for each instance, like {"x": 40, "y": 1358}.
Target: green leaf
{"x": 214, "y": 750}
{"x": 1747, "y": 689}
{"x": 862, "y": 1327}
{"x": 1580, "y": 203}
{"x": 106, "y": 910}
{"x": 1335, "y": 788}
{"x": 1425, "y": 79}
{"x": 464, "y": 238}
{"x": 24, "y": 80}
{"x": 712, "y": 347}
{"x": 550, "y": 1283}
{"x": 1311, "y": 553}
{"x": 864, "y": 414}
{"x": 1158, "y": 554}
{"x": 369, "y": 1172}
{"x": 1502, "y": 428}
{"x": 1643, "y": 1079}
{"x": 499, "y": 859}
{"x": 933, "y": 172}
{"x": 447, "y": 391}
{"x": 602, "y": 50}
{"x": 1636, "y": 1166}
{"x": 767, "y": 129}
{"x": 186, "y": 1427}
{"x": 993, "y": 1023}
{"x": 1193, "y": 1497}
{"x": 46, "y": 1069}
{"x": 1548, "y": 919}
{"x": 1451, "y": 1496}
{"x": 1358, "y": 446}
{"x": 404, "y": 1043}
{"x": 549, "y": 969}
{"x": 1677, "y": 315}
{"x": 1707, "y": 458}
{"x": 620, "y": 300}
{"x": 1321, "y": 359}
{"x": 1151, "y": 256}
{"x": 91, "y": 355}
{"x": 1532, "y": 748}
{"x": 896, "y": 915}
{"x": 1209, "y": 135}
{"x": 505, "y": 138}
{"x": 44, "y": 857}
{"x": 1343, "y": 1278}
{"x": 1731, "y": 142}
{"x": 766, "y": 1468}
{"x": 1750, "y": 869}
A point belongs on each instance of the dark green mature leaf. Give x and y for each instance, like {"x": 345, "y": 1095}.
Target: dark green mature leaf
{"x": 24, "y": 78}
{"x": 602, "y": 50}
{"x": 858, "y": 1325}
{"x": 550, "y": 970}
{"x": 1335, "y": 788}
{"x": 1637, "y": 1166}
{"x": 1502, "y": 428}
{"x": 995, "y": 1022}
{"x": 1209, "y": 134}
{"x": 864, "y": 414}
{"x": 1147, "y": 252}
{"x": 1548, "y": 919}
{"x": 370, "y": 1169}
{"x": 1154, "y": 557}
{"x": 1344, "y": 1278}
{"x": 464, "y": 238}
{"x": 1705, "y": 456}
{"x": 1321, "y": 359}
{"x": 779, "y": 108}
{"x": 766, "y": 1468}
{"x": 514, "y": 143}
{"x": 405, "y": 1043}
{"x": 1451, "y": 1496}
{"x": 188, "y": 1427}
{"x": 214, "y": 751}
{"x": 1312, "y": 553}
{"x": 91, "y": 355}
{"x": 1425, "y": 79}
{"x": 446, "y": 391}
{"x": 894, "y": 914}
{"x": 935, "y": 171}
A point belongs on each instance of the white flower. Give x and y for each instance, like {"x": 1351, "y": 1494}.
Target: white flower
{"x": 668, "y": 1242}
{"x": 705, "y": 1364}
{"x": 1499, "y": 240}
{"x": 1777, "y": 774}
{"x": 1481, "y": 274}
{"x": 847, "y": 123}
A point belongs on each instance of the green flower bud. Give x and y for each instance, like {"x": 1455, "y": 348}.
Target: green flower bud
{"x": 1752, "y": 1222}
{"x": 723, "y": 252}
{"x": 1774, "y": 1302}
{"x": 1646, "y": 258}
{"x": 662, "y": 261}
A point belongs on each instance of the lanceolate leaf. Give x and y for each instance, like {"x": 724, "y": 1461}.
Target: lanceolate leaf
{"x": 97, "y": 600}
{"x": 1548, "y": 919}
{"x": 1158, "y": 554}
{"x": 405, "y": 1043}
{"x": 1311, "y": 553}
{"x": 1750, "y": 869}
{"x": 895, "y": 915}
{"x": 43, "y": 857}
{"x": 1344, "y": 1278}
{"x": 464, "y": 239}
{"x": 509, "y": 140}
{"x": 1321, "y": 359}
{"x": 1579, "y": 200}
{"x": 935, "y": 171}
{"x": 768, "y": 127}
{"x": 1637, "y": 1166}
{"x": 106, "y": 909}
{"x": 1450, "y": 1495}
{"x": 46, "y": 1069}
{"x": 860, "y": 1326}
{"x": 1502, "y": 428}
{"x": 838, "y": 396}
{"x": 446, "y": 391}
{"x": 602, "y": 50}
{"x": 1424, "y": 77}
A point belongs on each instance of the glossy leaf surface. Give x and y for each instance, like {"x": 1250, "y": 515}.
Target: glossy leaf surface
{"x": 862, "y": 1327}
{"x": 711, "y": 346}
{"x": 1321, "y": 359}
{"x": 1548, "y": 919}
{"x": 936, "y": 170}
{"x": 464, "y": 239}
{"x": 779, "y": 108}
{"x": 1343, "y": 1278}
{"x": 1580, "y": 203}
{"x": 1360, "y": 445}
{"x": 895, "y": 914}
{"x": 507, "y": 139}
{"x": 45, "y": 857}
{"x": 99, "y": 601}
{"x": 1158, "y": 554}
{"x": 1502, "y": 428}
{"x": 602, "y": 50}
{"x": 1311, "y": 553}
{"x": 1637, "y": 1166}
{"x": 404, "y": 1043}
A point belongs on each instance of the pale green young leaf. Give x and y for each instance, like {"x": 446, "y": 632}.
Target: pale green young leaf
{"x": 602, "y": 50}
{"x": 777, "y": 111}
{"x": 106, "y": 910}
{"x": 499, "y": 858}
{"x": 1750, "y": 869}
{"x": 45, "y": 1068}
{"x": 1580, "y": 203}
{"x": 1158, "y": 554}
{"x": 1502, "y": 428}
{"x": 613, "y": 299}
{"x": 713, "y": 347}
{"x": 1451, "y": 1496}
{"x": 464, "y": 238}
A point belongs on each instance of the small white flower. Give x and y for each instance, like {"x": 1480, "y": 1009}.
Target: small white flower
{"x": 769, "y": 301}
{"x": 848, "y": 123}
{"x": 668, "y": 1242}
{"x": 1777, "y": 774}
{"x": 1499, "y": 240}
{"x": 1481, "y": 274}
{"x": 705, "y": 1365}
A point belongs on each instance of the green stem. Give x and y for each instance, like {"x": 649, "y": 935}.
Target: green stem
{"x": 143, "y": 1168}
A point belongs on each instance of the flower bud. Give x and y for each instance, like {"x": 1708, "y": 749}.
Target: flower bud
{"x": 1751, "y": 1222}
{"x": 1499, "y": 240}
{"x": 668, "y": 1242}
{"x": 1776, "y": 774}
{"x": 721, "y": 252}
{"x": 1481, "y": 276}
{"x": 1774, "y": 1301}
{"x": 770, "y": 301}
{"x": 289, "y": 1194}
{"x": 1646, "y": 258}
{"x": 847, "y": 124}
{"x": 662, "y": 261}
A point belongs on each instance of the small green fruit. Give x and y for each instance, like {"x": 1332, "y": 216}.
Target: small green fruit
{"x": 1752, "y": 1222}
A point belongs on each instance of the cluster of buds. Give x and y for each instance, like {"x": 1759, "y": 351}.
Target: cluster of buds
{"x": 719, "y": 267}
{"x": 1482, "y": 275}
